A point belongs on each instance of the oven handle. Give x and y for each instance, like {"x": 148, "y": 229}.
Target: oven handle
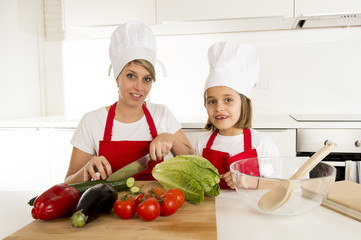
{"x": 336, "y": 163}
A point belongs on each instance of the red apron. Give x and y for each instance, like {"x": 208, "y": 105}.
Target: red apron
{"x": 222, "y": 160}
{"x": 122, "y": 153}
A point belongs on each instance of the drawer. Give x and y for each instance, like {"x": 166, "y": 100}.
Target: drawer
{"x": 311, "y": 140}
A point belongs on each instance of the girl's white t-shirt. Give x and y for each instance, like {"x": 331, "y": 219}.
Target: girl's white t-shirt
{"x": 234, "y": 144}
{"x": 92, "y": 125}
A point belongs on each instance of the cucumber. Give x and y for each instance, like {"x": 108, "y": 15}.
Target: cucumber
{"x": 135, "y": 189}
{"x": 119, "y": 185}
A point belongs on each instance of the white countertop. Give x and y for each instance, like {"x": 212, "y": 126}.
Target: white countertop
{"x": 259, "y": 122}
{"x": 235, "y": 220}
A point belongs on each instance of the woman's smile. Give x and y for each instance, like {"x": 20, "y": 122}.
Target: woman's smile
{"x": 136, "y": 96}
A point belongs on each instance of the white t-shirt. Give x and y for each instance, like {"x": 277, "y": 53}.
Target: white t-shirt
{"x": 92, "y": 125}
{"x": 234, "y": 144}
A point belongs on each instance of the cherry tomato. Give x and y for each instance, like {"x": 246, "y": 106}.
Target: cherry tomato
{"x": 169, "y": 205}
{"x": 149, "y": 210}
{"x": 156, "y": 192}
{"x": 178, "y": 193}
{"x": 138, "y": 198}
{"x": 125, "y": 209}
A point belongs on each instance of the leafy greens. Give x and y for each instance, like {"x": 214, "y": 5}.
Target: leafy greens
{"x": 192, "y": 174}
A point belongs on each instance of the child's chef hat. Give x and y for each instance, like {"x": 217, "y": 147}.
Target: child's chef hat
{"x": 130, "y": 41}
{"x": 233, "y": 65}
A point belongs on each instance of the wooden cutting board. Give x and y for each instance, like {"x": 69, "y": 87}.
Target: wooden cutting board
{"x": 191, "y": 221}
{"x": 345, "y": 198}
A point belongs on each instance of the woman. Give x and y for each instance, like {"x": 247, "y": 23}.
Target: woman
{"x": 233, "y": 73}
{"x": 111, "y": 137}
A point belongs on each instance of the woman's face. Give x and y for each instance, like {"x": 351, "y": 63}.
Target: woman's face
{"x": 134, "y": 84}
{"x": 223, "y": 106}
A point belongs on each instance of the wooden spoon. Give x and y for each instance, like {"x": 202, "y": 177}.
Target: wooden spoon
{"x": 278, "y": 196}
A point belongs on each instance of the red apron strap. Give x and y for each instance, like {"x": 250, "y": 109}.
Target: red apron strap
{"x": 109, "y": 123}
{"x": 211, "y": 139}
{"x": 148, "y": 116}
{"x": 110, "y": 118}
{"x": 247, "y": 139}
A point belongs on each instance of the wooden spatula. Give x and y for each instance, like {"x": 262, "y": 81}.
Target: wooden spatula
{"x": 278, "y": 196}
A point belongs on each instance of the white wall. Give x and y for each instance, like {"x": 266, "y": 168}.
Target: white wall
{"x": 302, "y": 71}
{"x": 20, "y": 58}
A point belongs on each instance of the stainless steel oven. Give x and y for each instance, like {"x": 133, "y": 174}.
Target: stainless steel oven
{"x": 347, "y": 155}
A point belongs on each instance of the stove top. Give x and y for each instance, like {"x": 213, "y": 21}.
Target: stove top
{"x": 326, "y": 117}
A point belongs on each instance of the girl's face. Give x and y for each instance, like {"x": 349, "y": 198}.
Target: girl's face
{"x": 134, "y": 84}
{"x": 223, "y": 106}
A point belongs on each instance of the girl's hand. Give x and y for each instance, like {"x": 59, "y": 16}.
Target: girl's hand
{"x": 161, "y": 146}
{"x": 228, "y": 178}
{"x": 94, "y": 165}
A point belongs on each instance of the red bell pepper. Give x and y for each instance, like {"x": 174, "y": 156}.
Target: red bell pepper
{"x": 55, "y": 202}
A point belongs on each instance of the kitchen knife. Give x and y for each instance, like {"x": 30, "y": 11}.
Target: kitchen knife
{"x": 131, "y": 169}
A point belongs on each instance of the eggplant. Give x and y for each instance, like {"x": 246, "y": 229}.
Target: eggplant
{"x": 97, "y": 199}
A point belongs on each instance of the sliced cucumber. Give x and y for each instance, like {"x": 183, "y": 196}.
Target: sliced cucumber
{"x": 135, "y": 189}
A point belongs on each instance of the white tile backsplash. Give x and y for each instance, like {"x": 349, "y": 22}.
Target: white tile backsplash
{"x": 302, "y": 71}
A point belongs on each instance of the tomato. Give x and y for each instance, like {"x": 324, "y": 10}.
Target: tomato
{"x": 169, "y": 205}
{"x": 178, "y": 193}
{"x": 156, "y": 192}
{"x": 125, "y": 209}
{"x": 138, "y": 198}
{"x": 149, "y": 210}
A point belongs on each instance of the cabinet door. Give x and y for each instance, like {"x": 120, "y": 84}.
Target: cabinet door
{"x": 304, "y": 7}
{"x": 284, "y": 139}
{"x": 24, "y": 159}
{"x": 59, "y": 153}
{"x": 85, "y": 13}
{"x": 190, "y": 10}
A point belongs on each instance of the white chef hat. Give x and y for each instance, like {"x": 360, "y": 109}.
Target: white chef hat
{"x": 130, "y": 41}
{"x": 233, "y": 65}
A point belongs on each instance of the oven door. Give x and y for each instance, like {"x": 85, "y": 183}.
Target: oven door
{"x": 345, "y": 158}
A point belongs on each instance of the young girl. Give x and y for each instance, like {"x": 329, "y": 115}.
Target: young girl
{"x": 233, "y": 73}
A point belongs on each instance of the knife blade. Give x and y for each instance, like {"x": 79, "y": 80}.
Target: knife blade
{"x": 131, "y": 169}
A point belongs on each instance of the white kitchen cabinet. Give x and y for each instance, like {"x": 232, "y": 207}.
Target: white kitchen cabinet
{"x": 21, "y": 58}
{"x": 285, "y": 139}
{"x": 190, "y": 10}
{"x": 308, "y": 7}
{"x": 59, "y": 153}
{"x": 193, "y": 134}
{"x": 24, "y": 164}
{"x": 85, "y": 13}
{"x": 33, "y": 158}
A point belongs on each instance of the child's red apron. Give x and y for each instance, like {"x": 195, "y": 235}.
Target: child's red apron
{"x": 222, "y": 160}
{"x": 122, "y": 153}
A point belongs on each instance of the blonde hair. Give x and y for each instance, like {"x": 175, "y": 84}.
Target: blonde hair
{"x": 146, "y": 64}
{"x": 245, "y": 119}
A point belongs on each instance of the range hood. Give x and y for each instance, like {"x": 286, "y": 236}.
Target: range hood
{"x": 271, "y": 23}
{"x": 327, "y": 20}
{"x": 259, "y": 24}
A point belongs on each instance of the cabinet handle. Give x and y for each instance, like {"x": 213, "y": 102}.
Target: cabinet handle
{"x": 358, "y": 143}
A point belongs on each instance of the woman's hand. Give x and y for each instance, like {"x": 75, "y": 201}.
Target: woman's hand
{"x": 161, "y": 146}
{"x": 94, "y": 165}
{"x": 228, "y": 178}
